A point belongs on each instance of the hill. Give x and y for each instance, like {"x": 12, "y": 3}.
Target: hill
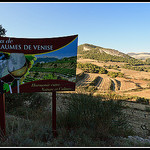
{"x": 89, "y": 47}
{"x": 105, "y": 54}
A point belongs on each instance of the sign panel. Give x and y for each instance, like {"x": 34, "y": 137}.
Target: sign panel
{"x": 38, "y": 65}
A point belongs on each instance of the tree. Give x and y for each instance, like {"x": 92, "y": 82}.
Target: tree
{"x": 147, "y": 61}
{"x": 2, "y": 31}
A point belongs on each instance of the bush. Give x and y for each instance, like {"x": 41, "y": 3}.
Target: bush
{"x": 105, "y": 117}
{"x": 115, "y": 74}
{"x": 25, "y": 103}
{"x": 91, "y": 68}
{"x": 142, "y": 100}
{"x": 24, "y": 133}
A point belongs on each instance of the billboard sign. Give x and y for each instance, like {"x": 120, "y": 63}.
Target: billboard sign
{"x": 38, "y": 65}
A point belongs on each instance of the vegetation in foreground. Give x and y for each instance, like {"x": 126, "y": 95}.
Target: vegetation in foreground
{"x": 86, "y": 121}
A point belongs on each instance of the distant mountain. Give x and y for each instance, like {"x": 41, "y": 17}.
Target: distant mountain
{"x": 141, "y": 55}
{"x": 45, "y": 59}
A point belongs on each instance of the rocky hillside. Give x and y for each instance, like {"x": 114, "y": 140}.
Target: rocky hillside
{"x": 105, "y": 54}
{"x": 89, "y": 47}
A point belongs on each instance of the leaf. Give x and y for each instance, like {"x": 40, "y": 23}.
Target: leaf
{"x": 6, "y": 87}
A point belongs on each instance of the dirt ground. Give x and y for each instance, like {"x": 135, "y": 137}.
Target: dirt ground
{"x": 138, "y": 117}
{"x": 144, "y": 93}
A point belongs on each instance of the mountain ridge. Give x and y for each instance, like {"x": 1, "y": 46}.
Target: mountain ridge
{"x": 87, "y": 47}
{"x": 140, "y": 55}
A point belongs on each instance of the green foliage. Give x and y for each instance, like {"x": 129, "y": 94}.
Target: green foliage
{"x": 19, "y": 104}
{"x": 30, "y": 57}
{"x": 36, "y": 74}
{"x": 105, "y": 117}
{"x": 147, "y": 61}
{"x": 137, "y": 68}
{"x": 102, "y": 71}
{"x": 112, "y": 67}
{"x": 142, "y": 100}
{"x": 6, "y": 87}
{"x": 38, "y": 64}
{"x": 49, "y": 76}
{"x": 115, "y": 74}
{"x": 65, "y": 66}
{"x": 91, "y": 68}
{"x": 147, "y": 109}
{"x": 65, "y": 71}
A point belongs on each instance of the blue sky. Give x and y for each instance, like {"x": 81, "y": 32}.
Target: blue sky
{"x": 67, "y": 51}
{"x": 121, "y": 26}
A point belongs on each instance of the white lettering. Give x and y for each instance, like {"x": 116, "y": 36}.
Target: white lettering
{"x": 9, "y": 41}
{"x": 35, "y": 46}
{"x": 43, "y": 47}
{"x": 5, "y": 46}
{"x": 27, "y": 47}
{"x": 1, "y": 41}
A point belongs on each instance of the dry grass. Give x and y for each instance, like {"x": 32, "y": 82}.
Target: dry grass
{"x": 144, "y": 93}
{"x": 126, "y": 84}
{"x": 78, "y": 71}
{"x": 139, "y": 75}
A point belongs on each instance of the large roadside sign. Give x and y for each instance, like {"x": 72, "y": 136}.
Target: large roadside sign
{"x": 39, "y": 64}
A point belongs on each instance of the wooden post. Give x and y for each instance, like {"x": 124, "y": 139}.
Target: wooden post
{"x": 54, "y": 114}
{"x": 2, "y": 114}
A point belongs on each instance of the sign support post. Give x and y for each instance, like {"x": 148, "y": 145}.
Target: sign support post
{"x": 54, "y": 114}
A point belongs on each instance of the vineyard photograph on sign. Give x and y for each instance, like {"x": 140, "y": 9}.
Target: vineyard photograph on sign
{"x": 38, "y": 63}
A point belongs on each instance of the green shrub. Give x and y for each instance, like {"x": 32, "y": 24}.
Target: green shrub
{"x": 91, "y": 112}
{"x": 142, "y": 100}
{"x": 115, "y": 74}
{"x": 91, "y": 68}
{"x": 147, "y": 109}
{"x": 25, "y": 133}
{"x": 25, "y": 103}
